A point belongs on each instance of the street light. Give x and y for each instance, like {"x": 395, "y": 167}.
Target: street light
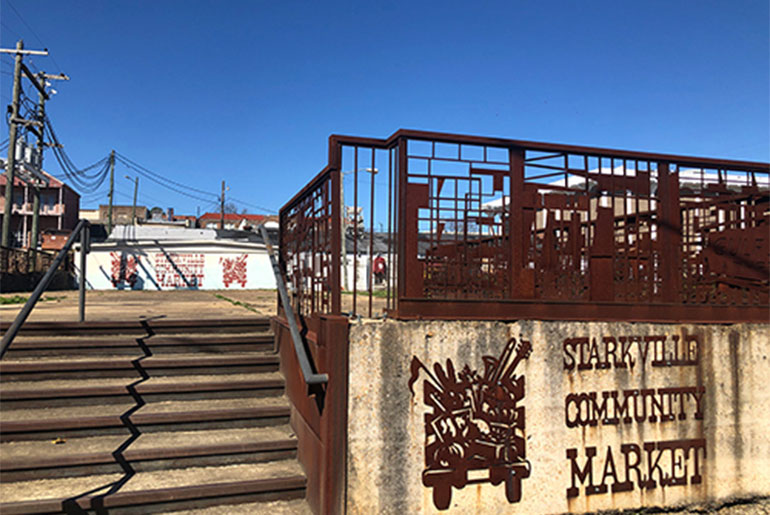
{"x": 136, "y": 188}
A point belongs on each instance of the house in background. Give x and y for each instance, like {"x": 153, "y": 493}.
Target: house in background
{"x": 59, "y": 211}
{"x": 189, "y": 220}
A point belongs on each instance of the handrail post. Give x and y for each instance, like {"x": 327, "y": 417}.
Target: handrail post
{"x": 305, "y": 366}
{"x": 84, "y": 237}
{"x": 10, "y": 334}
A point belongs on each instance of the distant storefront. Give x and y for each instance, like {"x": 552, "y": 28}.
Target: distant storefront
{"x": 175, "y": 260}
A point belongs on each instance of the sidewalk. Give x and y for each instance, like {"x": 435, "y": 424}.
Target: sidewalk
{"x": 127, "y": 305}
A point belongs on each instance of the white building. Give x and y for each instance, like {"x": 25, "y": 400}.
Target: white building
{"x": 167, "y": 258}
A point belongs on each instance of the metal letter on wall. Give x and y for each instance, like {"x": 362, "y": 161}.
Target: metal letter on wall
{"x": 475, "y": 423}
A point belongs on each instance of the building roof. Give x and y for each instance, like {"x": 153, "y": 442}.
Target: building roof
{"x": 232, "y": 217}
{"x": 179, "y": 233}
{"x": 53, "y": 182}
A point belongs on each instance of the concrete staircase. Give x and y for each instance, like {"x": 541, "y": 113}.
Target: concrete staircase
{"x": 152, "y": 417}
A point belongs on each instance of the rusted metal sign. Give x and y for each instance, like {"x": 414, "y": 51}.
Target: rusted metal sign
{"x": 475, "y": 422}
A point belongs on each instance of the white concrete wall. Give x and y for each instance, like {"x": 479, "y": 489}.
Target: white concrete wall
{"x": 206, "y": 265}
{"x": 703, "y": 439}
{"x": 362, "y": 274}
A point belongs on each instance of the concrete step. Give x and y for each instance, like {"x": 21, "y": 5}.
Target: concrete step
{"x": 43, "y": 459}
{"x": 295, "y": 507}
{"x": 144, "y": 327}
{"x": 123, "y": 366}
{"x": 147, "y": 417}
{"x": 54, "y": 393}
{"x": 80, "y": 421}
{"x": 126, "y": 344}
{"x": 157, "y": 491}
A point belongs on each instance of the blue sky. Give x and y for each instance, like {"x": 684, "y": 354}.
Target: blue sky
{"x": 249, "y": 91}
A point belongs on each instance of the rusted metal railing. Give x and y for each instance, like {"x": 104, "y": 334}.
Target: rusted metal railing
{"x": 438, "y": 225}
{"x": 309, "y": 375}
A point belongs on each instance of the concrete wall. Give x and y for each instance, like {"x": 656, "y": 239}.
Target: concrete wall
{"x": 207, "y": 265}
{"x": 616, "y": 415}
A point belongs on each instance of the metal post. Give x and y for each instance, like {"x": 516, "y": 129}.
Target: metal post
{"x": 343, "y": 232}
{"x": 222, "y": 208}
{"x": 11, "y": 162}
{"x": 84, "y": 243}
{"x": 112, "y": 193}
{"x": 40, "y": 147}
{"x": 10, "y": 334}
{"x": 133, "y": 209}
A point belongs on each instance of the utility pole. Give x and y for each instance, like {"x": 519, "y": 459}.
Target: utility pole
{"x": 40, "y": 148}
{"x": 112, "y": 193}
{"x": 10, "y": 164}
{"x": 222, "y": 208}
{"x": 133, "y": 209}
{"x": 35, "y": 187}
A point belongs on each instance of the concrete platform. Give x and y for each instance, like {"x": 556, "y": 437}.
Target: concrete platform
{"x": 128, "y": 305}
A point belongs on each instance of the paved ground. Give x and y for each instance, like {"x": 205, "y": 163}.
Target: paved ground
{"x": 62, "y": 306}
{"x": 129, "y": 305}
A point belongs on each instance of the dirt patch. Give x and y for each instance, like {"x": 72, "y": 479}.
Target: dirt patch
{"x": 120, "y": 305}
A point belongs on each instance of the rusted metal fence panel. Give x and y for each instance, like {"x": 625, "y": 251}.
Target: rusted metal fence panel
{"x": 451, "y": 226}
{"x": 309, "y": 247}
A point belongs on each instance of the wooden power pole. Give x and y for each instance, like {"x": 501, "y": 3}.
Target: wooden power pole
{"x": 222, "y": 208}
{"x": 43, "y": 77}
{"x": 112, "y": 193}
{"x": 10, "y": 164}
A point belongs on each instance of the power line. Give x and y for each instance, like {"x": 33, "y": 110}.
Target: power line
{"x": 160, "y": 182}
{"x": 128, "y": 162}
{"x": 18, "y": 36}
{"x": 33, "y": 33}
{"x": 255, "y": 206}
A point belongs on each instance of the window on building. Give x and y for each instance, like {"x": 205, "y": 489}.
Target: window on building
{"x": 47, "y": 201}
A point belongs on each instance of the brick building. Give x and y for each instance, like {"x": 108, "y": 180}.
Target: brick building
{"x": 122, "y": 214}
{"x": 59, "y": 210}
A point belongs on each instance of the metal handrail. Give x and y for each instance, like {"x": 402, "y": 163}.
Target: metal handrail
{"x": 82, "y": 229}
{"x": 299, "y": 348}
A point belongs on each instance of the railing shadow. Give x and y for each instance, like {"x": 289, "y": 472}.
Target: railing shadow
{"x": 191, "y": 284}
{"x": 71, "y": 505}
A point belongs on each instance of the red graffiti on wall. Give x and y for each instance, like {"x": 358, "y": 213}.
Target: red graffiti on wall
{"x": 175, "y": 270}
{"x": 234, "y": 270}
{"x": 123, "y": 268}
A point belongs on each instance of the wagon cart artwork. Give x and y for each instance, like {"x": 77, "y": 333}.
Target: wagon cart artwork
{"x": 475, "y": 423}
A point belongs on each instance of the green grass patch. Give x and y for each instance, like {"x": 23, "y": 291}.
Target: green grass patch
{"x": 383, "y": 294}
{"x": 236, "y": 302}
{"x": 16, "y": 299}
{"x": 21, "y": 299}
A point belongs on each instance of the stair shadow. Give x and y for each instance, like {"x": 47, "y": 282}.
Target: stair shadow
{"x": 70, "y": 505}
